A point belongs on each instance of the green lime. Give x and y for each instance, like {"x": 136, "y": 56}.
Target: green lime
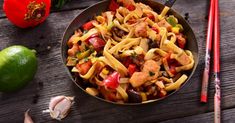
{"x": 18, "y": 66}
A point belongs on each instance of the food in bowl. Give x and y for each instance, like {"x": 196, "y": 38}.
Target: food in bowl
{"x": 130, "y": 53}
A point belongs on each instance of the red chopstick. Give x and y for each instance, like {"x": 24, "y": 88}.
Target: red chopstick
{"x": 217, "y": 109}
{"x": 206, "y": 72}
{"x": 213, "y": 20}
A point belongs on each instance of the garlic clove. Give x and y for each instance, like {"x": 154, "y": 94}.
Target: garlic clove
{"x": 60, "y": 106}
{"x": 27, "y": 117}
{"x": 54, "y": 101}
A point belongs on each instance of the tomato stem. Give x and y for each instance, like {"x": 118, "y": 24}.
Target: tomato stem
{"x": 36, "y": 11}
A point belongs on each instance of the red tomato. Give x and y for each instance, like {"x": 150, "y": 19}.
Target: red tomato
{"x": 130, "y": 7}
{"x": 88, "y": 25}
{"x": 112, "y": 81}
{"x": 84, "y": 67}
{"x": 181, "y": 41}
{"x": 27, "y": 13}
{"x": 97, "y": 43}
{"x": 113, "y": 5}
{"x": 131, "y": 69}
{"x": 150, "y": 16}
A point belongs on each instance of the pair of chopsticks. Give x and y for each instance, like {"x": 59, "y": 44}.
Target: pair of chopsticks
{"x": 213, "y": 27}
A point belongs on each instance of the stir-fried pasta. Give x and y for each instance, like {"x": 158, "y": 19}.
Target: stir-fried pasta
{"x": 130, "y": 54}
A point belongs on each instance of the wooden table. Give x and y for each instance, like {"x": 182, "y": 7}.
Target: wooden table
{"x": 183, "y": 106}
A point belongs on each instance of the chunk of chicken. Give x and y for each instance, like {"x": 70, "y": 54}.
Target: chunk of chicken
{"x": 150, "y": 72}
{"x": 141, "y": 30}
{"x": 138, "y": 78}
{"x": 152, "y": 68}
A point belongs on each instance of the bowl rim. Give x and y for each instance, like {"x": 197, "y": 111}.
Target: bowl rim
{"x": 130, "y": 104}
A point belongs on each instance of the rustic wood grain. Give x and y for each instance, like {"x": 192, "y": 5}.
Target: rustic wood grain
{"x": 1, "y": 9}
{"x": 227, "y": 117}
{"x": 51, "y": 72}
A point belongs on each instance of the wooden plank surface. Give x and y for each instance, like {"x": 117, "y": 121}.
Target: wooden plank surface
{"x": 1, "y": 9}
{"x": 51, "y": 73}
{"x": 227, "y": 117}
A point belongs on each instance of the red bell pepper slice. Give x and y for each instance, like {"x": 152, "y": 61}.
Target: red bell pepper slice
{"x": 113, "y": 6}
{"x": 84, "y": 67}
{"x": 131, "y": 69}
{"x": 112, "y": 81}
{"x": 130, "y": 7}
{"x": 87, "y": 26}
{"x": 97, "y": 43}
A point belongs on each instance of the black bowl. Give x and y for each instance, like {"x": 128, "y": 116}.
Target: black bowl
{"x": 100, "y": 7}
